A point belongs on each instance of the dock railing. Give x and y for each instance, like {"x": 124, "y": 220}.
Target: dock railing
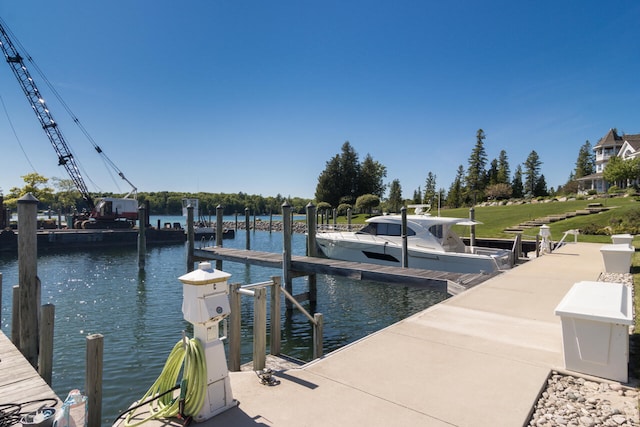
{"x": 259, "y": 293}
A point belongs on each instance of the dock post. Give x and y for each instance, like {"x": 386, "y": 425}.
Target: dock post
{"x": 334, "y": 214}
{"x": 259, "y": 328}
{"x": 472, "y": 217}
{"x": 236, "y": 215}
{"x": 275, "y": 316}
{"x": 254, "y": 221}
{"x": 0, "y": 292}
{"x": 28, "y": 277}
{"x": 93, "y": 379}
{"x": 246, "y": 228}
{"x": 405, "y": 249}
{"x": 15, "y": 316}
{"x": 349, "y": 219}
{"x": 235, "y": 324}
{"x": 270, "y": 221}
{"x": 142, "y": 236}
{"x": 318, "y": 328}
{"x": 312, "y": 250}
{"x": 45, "y": 355}
{"x": 286, "y": 252}
{"x": 219, "y": 232}
{"x": 190, "y": 238}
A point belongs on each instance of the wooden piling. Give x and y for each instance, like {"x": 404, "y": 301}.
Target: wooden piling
{"x": 275, "y": 316}
{"x": 318, "y": 330}
{"x": 286, "y": 252}
{"x": 15, "y": 316}
{"x": 219, "y": 232}
{"x": 246, "y": 228}
{"x": 93, "y": 379}
{"x": 0, "y": 292}
{"x": 259, "y": 328}
{"x": 349, "y": 219}
{"x": 405, "y": 249}
{"x": 270, "y": 221}
{"x": 142, "y": 237}
{"x": 28, "y": 277}
{"x": 472, "y": 236}
{"x": 190, "y": 238}
{"x": 312, "y": 249}
{"x": 235, "y": 323}
{"x": 45, "y": 355}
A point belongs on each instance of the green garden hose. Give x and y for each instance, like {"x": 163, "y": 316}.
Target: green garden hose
{"x": 192, "y": 387}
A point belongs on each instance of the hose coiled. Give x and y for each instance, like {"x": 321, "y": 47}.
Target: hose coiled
{"x": 189, "y": 353}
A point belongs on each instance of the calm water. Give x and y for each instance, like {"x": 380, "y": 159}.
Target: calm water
{"x": 140, "y": 315}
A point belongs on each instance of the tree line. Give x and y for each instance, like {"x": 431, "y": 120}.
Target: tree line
{"x": 347, "y": 182}
{"x": 61, "y": 194}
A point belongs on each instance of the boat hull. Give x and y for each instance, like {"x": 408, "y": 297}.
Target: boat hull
{"x": 390, "y": 254}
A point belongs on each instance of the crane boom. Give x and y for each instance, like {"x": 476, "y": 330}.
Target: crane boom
{"x": 49, "y": 125}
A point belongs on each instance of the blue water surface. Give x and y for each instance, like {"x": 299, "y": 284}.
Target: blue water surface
{"x": 139, "y": 313}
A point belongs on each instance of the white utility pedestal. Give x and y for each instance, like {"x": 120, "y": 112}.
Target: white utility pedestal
{"x": 617, "y": 258}
{"x": 622, "y": 239}
{"x": 205, "y": 303}
{"x": 595, "y": 329}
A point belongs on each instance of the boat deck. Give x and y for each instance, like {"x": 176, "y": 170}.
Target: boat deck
{"x": 477, "y": 359}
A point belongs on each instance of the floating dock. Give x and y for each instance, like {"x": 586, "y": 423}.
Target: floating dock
{"x": 453, "y": 283}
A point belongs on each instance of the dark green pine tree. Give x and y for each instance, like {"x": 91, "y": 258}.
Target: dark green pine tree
{"x": 395, "y": 196}
{"x": 503, "y": 168}
{"x": 516, "y": 184}
{"x": 455, "y": 197}
{"x": 586, "y": 162}
{"x": 476, "y": 172}
{"x": 531, "y": 173}
{"x": 429, "y": 189}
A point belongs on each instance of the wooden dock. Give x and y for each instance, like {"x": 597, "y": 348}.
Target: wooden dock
{"x": 453, "y": 283}
{"x": 20, "y": 382}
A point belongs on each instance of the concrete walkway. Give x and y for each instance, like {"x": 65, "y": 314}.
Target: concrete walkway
{"x": 477, "y": 359}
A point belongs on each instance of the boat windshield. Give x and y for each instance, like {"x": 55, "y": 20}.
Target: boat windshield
{"x": 437, "y": 230}
{"x": 385, "y": 229}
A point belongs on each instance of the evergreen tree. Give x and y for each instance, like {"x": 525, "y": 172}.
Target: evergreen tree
{"x": 345, "y": 179}
{"x": 516, "y": 185}
{"x": 492, "y": 173}
{"x": 456, "y": 191}
{"x": 429, "y": 189}
{"x": 586, "y": 162}
{"x": 395, "y": 196}
{"x": 503, "y": 168}
{"x": 349, "y": 179}
{"x": 476, "y": 172}
{"x": 371, "y": 175}
{"x": 532, "y": 172}
{"x": 541, "y": 187}
{"x": 417, "y": 196}
{"x": 328, "y": 188}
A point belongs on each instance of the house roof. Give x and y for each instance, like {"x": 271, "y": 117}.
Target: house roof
{"x": 633, "y": 141}
{"x": 609, "y": 139}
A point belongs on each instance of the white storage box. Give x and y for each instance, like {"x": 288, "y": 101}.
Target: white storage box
{"x": 617, "y": 258}
{"x": 622, "y": 239}
{"x": 595, "y": 329}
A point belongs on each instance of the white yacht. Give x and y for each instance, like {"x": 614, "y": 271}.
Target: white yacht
{"x": 431, "y": 245}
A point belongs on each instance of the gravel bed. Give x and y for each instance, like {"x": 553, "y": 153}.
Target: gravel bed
{"x": 570, "y": 400}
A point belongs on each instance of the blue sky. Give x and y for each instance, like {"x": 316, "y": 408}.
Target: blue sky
{"x": 256, "y": 96}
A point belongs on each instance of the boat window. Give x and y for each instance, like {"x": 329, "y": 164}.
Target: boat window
{"x": 437, "y": 230}
{"x": 384, "y": 229}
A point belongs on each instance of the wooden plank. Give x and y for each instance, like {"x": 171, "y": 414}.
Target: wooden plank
{"x": 19, "y": 381}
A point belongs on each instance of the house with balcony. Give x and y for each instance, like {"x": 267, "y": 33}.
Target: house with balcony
{"x": 612, "y": 144}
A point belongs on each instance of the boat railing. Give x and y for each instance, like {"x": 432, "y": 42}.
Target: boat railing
{"x": 259, "y": 293}
{"x": 328, "y": 228}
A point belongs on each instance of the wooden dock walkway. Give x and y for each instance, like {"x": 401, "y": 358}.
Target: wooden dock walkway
{"x": 20, "y": 382}
{"x": 453, "y": 283}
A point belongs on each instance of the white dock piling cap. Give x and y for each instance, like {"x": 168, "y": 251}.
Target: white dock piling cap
{"x": 204, "y": 275}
